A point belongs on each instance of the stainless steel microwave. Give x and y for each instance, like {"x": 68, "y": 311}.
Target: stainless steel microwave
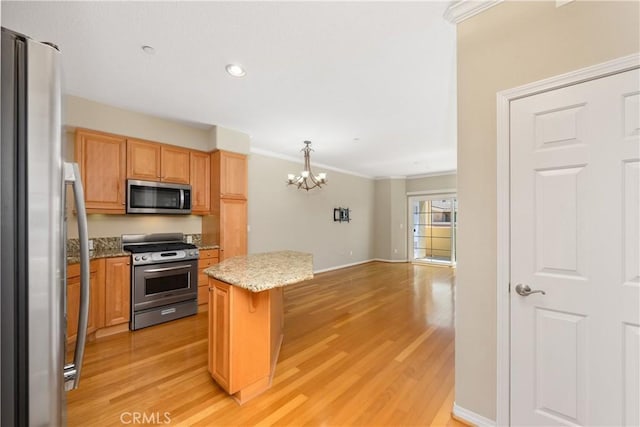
{"x": 148, "y": 197}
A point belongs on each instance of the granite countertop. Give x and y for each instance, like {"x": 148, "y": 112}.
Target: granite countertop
{"x": 111, "y": 253}
{"x": 260, "y": 272}
{"x": 95, "y": 254}
{"x": 205, "y": 246}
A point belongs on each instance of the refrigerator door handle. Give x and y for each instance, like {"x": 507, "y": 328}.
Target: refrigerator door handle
{"x": 72, "y": 370}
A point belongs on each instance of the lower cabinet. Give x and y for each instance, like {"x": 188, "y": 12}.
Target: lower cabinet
{"x": 73, "y": 298}
{"x": 117, "y": 291}
{"x": 208, "y": 257}
{"x": 109, "y": 294}
{"x": 245, "y": 333}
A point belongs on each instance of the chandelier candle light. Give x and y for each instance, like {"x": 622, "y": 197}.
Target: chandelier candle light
{"x": 307, "y": 180}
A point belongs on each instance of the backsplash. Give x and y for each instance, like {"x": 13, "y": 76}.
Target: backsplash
{"x": 113, "y": 244}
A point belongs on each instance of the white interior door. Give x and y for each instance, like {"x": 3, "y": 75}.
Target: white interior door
{"x": 575, "y": 234}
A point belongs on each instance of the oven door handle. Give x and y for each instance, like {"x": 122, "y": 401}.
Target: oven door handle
{"x": 160, "y": 270}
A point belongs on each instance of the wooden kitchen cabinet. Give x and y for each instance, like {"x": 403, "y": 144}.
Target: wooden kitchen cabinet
{"x": 200, "y": 178}
{"x": 96, "y": 280}
{"x": 245, "y": 334}
{"x": 151, "y": 161}
{"x": 208, "y": 257}
{"x": 230, "y": 169}
{"x": 175, "y": 163}
{"x": 143, "y": 160}
{"x": 233, "y": 228}
{"x": 117, "y": 290}
{"x": 102, "y": 160}
{"x": 227, "y": 224}
{"x": 219, "y": 329}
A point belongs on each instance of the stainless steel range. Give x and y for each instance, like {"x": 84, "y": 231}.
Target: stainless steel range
{"x": 164, "y": 278}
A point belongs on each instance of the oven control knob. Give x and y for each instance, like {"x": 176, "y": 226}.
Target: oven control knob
{"x": 136, "y": 258}
{"x": 144, "y": 258}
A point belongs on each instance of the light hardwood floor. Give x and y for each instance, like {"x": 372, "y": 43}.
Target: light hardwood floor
{"x": 367, "y": 345}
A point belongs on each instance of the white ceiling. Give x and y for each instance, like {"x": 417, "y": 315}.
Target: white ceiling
{"x": 329, "y": 72}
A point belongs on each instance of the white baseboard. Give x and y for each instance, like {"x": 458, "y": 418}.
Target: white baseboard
{"x": 338, "y": 267}
{"x": 390, "y": 260}
{"x": 471, "y": 417}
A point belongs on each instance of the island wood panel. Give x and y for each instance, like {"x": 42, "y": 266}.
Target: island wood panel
{"x": 276, "y": 324}
{"x": 219, "y": 332}
{"x": 337, "y": 363}
{"x": 241, "y": 342}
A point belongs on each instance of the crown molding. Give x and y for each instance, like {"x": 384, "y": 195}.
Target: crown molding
{"x": 315, "y": 165}
{"x": 465, "y": 9}
{"x": 382, "y": 178}
{"x": 431, "y": 174}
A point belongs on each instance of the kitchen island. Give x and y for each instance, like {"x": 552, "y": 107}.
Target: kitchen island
{"x": 246, "y": 317}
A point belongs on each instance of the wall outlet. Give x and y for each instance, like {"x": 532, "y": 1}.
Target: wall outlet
{"x": 189, "y": 239}
{"x": 90, "y": 244}
{"x": 350, "y": 252}
{"x": 395, "y": 251}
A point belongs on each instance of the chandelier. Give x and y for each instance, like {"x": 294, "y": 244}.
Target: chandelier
{"x": 307, "y": 180}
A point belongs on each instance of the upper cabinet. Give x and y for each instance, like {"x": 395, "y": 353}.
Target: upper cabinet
{"x": 143, "y": 160}
{"x": 150, "y": 161}
{"x": 231, "y": 169}
{"x": 107, "y": 161}
{"x": 102, "y": 160}
{"x": 175, "y": 164}
{"x": 200, "y": 171}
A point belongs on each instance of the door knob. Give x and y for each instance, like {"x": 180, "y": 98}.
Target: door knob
{"x": 525, "y": 290}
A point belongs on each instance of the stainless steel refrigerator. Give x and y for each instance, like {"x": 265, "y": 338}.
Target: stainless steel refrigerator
{"x": 34, "y": 180}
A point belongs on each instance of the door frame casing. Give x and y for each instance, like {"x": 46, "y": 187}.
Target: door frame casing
{"x": 503, "y": 185}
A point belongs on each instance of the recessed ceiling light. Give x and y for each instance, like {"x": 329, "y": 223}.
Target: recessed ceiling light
{"x": 356, "y": 139}
{"x": 149, "y": 50}
{"x": 235, "y": 70}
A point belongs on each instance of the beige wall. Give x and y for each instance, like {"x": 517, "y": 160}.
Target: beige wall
{"x": 230, "y": 140}
{"x": 398, "y": 220}
{"x": 509, "y": 45}
{"x": 431, "y": 183}
{"x": 382, "y": 219}
{"x": 391, "y": 219}
{"x": 80, "y": 112}
{"x": 283, "y": 217}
